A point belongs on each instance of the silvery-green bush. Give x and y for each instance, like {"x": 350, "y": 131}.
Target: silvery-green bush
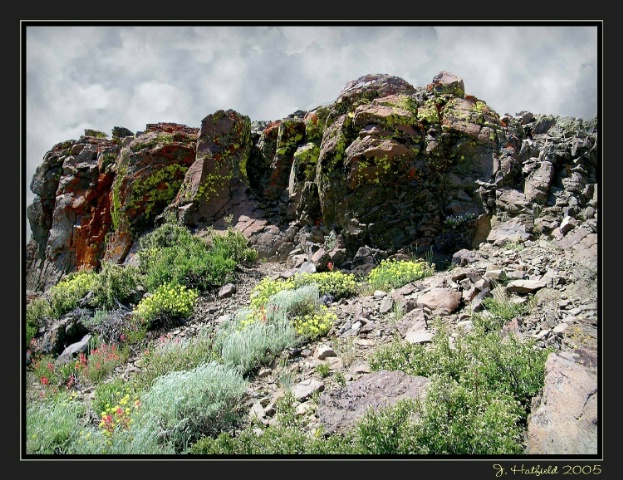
{"x": 52, "y": 425}
{"x": 247, "y": 346}
{"x": 181, "y": 407}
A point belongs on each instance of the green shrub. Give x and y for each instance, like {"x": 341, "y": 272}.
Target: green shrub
{"x": 323, "y": 369}
{"x": 507, "y": 364}
{"x": 425, "y": 360}
{"x": 66, "y": 294}
{"x": 387, "y": 431}
{"x": 232, "y": 244}
{"x": 457, "y": 419}
{"x": 400, "y": 355}
{"x": 171, "y": 253}
{"x": 181, "y": 407}
{"x": 168, "y": 303}
{"x": 52, "y": 425}
{"x": 36, "y": 311}
{"x": 452, "y": 419}
{"x": 194, "y": 267}
{"x": 395, "y": 274}
{"x": 482, "y": 359}
{"x": 271, "y": 441}
{"x": 167, "y": 235}
{"x": 114, "y": 283}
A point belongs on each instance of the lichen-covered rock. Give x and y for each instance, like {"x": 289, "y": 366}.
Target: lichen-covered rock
{"x": 218, "y": 173}
{"x": 121, "y": 132}
{"x": 150, "y": 169}
{"x": 447, "y": 83}
{"x": 302, "y": 190}
{"x": 271, "y": 159}
{"x": 471, "y": 119}
{"x": 387, "y": 165}
{"x": 71, "y": 214}
{"x": 402, "y": 166}
{"x": 365, "y": 89}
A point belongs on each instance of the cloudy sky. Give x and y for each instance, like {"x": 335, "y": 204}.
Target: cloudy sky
{"x": 103, "y": 76}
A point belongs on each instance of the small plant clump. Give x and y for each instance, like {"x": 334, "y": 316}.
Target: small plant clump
{"x": 335, "y": 283}
{"x": 36, "y": 311}
{"x": 169, "y": 302}
{"x": 169, "y": 354}
{"x": 516, "y": 245}
{"x": 300, "y": 306}
{"x": 66, "y": 294}
{"x": 232, "y": 244}
{"x": 114, "y": 285}
{"x": 323, "y": 369}
{"x": 245, "y": 346}
{"x": 266, "y": 288}
{"x": 456, "y": 220}
{"x": 180, "y": 407}
{"x": 316, "y": 324}
{"x": 53, "y": 425}
{"x": 119, "y": 415}
{"x": 395, "y": 274}
{"x": 101, "y": 361}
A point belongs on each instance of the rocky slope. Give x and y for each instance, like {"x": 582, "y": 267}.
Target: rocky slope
{"x": 387, "y": 170}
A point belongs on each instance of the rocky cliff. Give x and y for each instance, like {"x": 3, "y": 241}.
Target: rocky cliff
{"x": 386, "y": 168}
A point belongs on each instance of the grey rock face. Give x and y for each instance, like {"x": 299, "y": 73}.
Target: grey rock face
{"x": 565, "y": 419}
{"x": 339, "y": 409}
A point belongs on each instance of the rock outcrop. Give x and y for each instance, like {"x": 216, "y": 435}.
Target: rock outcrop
{"x": 339, "y": 409}
{"x": 564, "y": 419}
{"x": 388, "y": 167}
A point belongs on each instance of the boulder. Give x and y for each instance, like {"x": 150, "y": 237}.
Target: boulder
{"x": 564, "y": 419}
{"x": 339, "y": 409}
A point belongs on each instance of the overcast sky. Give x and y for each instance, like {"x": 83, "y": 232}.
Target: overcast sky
{"x": 99, "y": 77}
